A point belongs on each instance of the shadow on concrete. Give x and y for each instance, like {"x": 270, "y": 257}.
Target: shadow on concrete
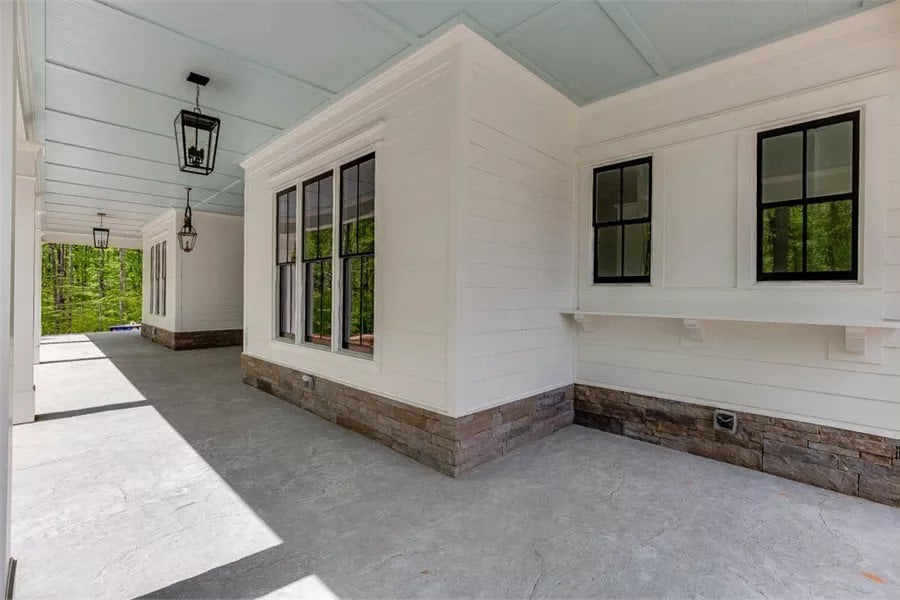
{"x": 339, "y": 502}
{"x": 580, "y": 513}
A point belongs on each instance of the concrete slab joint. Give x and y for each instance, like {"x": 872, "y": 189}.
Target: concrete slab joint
{"x": 451, "y": 445}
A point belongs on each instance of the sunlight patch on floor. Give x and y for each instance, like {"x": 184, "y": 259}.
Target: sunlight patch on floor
{"x": 98, "y": 497}
{"x": 308, "y": 588}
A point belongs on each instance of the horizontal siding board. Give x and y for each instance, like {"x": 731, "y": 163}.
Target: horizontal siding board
{"x": 872, "y": 386}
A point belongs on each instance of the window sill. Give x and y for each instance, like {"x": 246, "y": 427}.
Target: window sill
{"x": 582, "y": 315}
{"x": 320, "y": 360}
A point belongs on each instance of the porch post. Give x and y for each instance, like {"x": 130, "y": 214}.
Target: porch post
{"x": 7, "y": 200}
{"x": 24, "y": 283}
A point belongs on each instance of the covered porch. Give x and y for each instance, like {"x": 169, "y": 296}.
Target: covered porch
{"x": 151, "y": 473}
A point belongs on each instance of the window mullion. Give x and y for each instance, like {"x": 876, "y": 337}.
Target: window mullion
{"x": 336, "y": 270}
{"x": 621, "y": 224}
{"x": 803, "y": 166}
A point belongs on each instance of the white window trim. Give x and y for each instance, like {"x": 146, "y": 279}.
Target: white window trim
{"x": 871, "y": 158}
{"x": 330, "y": 160}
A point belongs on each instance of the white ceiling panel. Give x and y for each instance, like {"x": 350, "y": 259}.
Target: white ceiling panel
{"x": 79, "y": 131}
{"x": 691, "y": 32}
{"x": 80, "y": 193}
{"x": 89, "y": 96}
{"x": 84, "y": 158}
{"x": 119, "y": 183}
{"x": 89, "y": 206}
{"x": 110, "y": 74}
{"x": 583, "y": 50}
{"x": 323, "y": 42}
{"x": 96, "y": 39}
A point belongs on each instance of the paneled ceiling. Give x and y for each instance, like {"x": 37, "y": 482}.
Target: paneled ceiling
{"x": 110, "y": 74}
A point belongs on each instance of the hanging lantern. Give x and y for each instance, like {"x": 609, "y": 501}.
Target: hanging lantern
{"x": 196, "y": 135}
{"x": 101, "y": 234}
{"x": 187, "y": 237}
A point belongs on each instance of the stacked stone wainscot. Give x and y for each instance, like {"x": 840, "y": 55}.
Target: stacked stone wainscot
{"x": 451, "y": 445}
{"x": 192, "y": 340}
{"x": 851, "y": 462}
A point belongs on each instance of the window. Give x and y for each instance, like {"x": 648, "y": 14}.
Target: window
{"x": 807, "y": 199}
{"x": 338, "y": 284}
{"x": 158, "y": 279}
{"x": 622, "y": 199}
{"x": 357, "y": 253}
{"x": 286, "y": 259}
{"x": 318, "y": 228}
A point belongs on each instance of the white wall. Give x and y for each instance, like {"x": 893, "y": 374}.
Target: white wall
{"x": 210, "y": 277}
{"x": 161, "y": 229}
{"x": 204, "y": 287}
{"x": 516, "y": 232}
{"x": 408, "y": 115}
{"x": 700, "y": 128}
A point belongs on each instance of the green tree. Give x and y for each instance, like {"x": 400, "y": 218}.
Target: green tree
{"x": 88, "y": 289}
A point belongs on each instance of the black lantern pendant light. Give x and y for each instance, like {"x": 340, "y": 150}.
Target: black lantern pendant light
{"x": 187, "y": 237}
{"x": 196, "y": 135}
{"x": 101, "y": 234}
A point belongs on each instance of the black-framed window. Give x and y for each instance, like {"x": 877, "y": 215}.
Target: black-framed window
{"x": 318, "y": 225}
{"x": 621, "y": 217}
{"x": 807, "y": 200}
{"x": 357, "y": 252}
{"x": 286, "y": 259}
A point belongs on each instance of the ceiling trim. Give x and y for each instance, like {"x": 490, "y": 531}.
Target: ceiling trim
{"x": 619, "y": 15}
{"x": 382, "y": 20}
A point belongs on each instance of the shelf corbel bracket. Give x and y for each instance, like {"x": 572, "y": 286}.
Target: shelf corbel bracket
{"x": 855, "y": 339}
{"x": 694, "y": 330}
{"x": 587, "y": 323}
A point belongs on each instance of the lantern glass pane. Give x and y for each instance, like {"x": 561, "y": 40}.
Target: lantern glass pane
{"x": 101, "y": 237}
{"x": 196, "y": 137}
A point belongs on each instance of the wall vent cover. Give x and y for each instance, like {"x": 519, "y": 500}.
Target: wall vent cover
{"x": 725, "y": 420}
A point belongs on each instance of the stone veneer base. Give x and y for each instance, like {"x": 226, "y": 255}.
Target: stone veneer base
{"x": 192, "y": 340}
{"x": 451, "y": 445}
{"x": 854, "y": 463}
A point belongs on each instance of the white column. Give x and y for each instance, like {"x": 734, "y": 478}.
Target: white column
{"x": 7, "y": 200}
{"x": 24, "y": 283}
{"x": 38, "y": 257}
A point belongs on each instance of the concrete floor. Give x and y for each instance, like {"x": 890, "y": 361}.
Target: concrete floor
{"x": 158, "y": 474}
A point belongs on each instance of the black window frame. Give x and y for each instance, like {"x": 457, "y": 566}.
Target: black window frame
{"x": 308, "y": 263}
{"x": 621, "y": 223}
{"x": 281, "y": 333}
{"x": 345, "y": 258}
{"x": 804, "y": 275}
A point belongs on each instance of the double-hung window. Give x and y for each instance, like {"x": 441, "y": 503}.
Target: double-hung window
{"x": 807, "y": 200}
{"x": 338, "y": 283}
{"x": 358, "y": 254}
{"x": 318, "y": 228}
{"x": 622, "y": 202}
{"x": 286, "y": 260}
